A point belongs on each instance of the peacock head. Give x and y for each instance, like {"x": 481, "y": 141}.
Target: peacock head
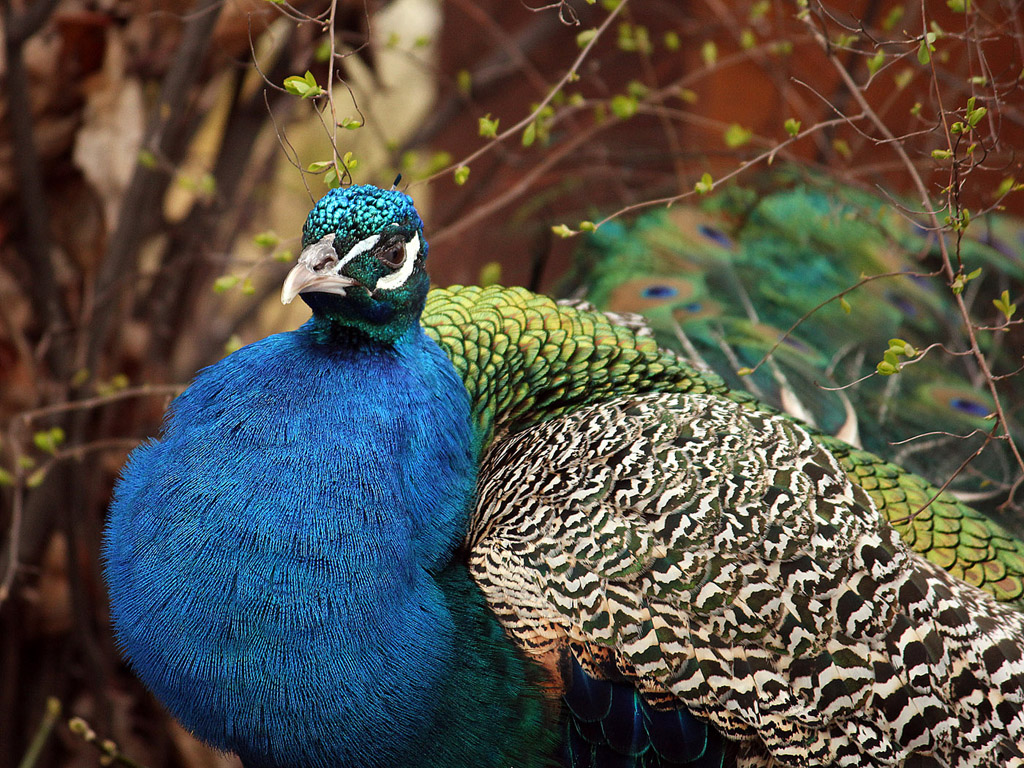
{"x": 362, "y": 262}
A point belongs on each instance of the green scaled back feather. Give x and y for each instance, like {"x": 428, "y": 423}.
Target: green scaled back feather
{"x": 526, "y": 360}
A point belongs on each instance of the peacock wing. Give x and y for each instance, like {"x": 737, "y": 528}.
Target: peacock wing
{"x": 525, "y": 359}
{"x": 721, "y": 560}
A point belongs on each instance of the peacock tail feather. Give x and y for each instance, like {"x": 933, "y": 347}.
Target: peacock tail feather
{"x": 724, "y": 283}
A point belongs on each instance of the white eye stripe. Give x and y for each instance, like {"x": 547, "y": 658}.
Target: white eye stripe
{"x": 364, "y": 245}
{"x": 397, "y": 279}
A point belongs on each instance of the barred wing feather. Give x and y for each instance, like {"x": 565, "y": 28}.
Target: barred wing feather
{"x": 722, "y": 561}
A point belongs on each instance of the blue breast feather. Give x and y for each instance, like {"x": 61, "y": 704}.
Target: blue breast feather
{"x": 278, "y": 545}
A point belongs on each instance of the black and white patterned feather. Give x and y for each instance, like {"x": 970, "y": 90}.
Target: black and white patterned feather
{"x": 722, "y": 560}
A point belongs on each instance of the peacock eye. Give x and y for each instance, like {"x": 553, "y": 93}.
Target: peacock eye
{"x": 393, "y": 257}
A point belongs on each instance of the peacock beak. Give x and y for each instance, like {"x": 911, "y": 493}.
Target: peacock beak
{"x": 316, "y": 272}
{"x": 303, "y": 280}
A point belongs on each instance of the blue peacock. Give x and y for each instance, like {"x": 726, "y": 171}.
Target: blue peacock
{"x": 476, "y": 527}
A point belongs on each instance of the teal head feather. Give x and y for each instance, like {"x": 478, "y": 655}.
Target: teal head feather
{"x": 374, "y": 283}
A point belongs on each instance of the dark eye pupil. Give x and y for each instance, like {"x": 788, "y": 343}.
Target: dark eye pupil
{"x": 393, "y": 257}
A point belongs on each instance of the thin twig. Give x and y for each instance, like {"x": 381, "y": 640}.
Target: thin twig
{"x": 566, "y": 78}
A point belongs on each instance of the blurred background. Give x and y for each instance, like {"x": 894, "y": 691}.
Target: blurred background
{"x": 157, "y": 160}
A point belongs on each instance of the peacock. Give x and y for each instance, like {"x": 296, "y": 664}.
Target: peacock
{"x": 476, "y": 527}
{"x": 737, "y": 285}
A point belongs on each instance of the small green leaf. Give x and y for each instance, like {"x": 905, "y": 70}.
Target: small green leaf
{"x": 672, "y": 41}
{"x": 1008, "y": 185}
{"x": 320, "y": 165}
{"x": 438, "y": 160}
{"x": 464, "y": 82}
{"x": 926, "y": 49}
{"x": 233, "y": 344}
{"x": 224, "y": 283}
{"x": 747, "y": 39}
{"x": 530, "y": 134}
{"x": 6, "y": 478}
{"x": 48, "y": 440}
{"x": 461, "y": 174}
{"x": 626, "y": 41}
{"x": 902, "y": 78}
{"x": 623, "y": 106}
{"x": 490, "y": 273}
{"x": 636, "y": 89}
{"x": 305, "y": 87}
{"x": 941, "y": 154}
{"x": 958, "y": 6}
{"x": 923, "y": 56}
{"x": 705, "y": 184}
{"x": 584, "y": 37}
{"x": 147, "y": 159}
{"x": 489, "y": 127}
{"x": 886, "y": 369}
{"x": 207, "y": 184}
{"x": 975, "y": 115}
{"x": 36, "y": 478}
{"x": 284, "y": 256}
{"x": 792, "y": 126}
{"x": 875, "y": 63}
{"x": 349, "y": 124}
{"x": 845, "y": 305}
{"x": 892, "y": 18}
{"x": 587, "y": 226}
{"x": 248, "y": 288}
{"x": 841, "y": 148}
{"x": 323, "y": 51}
{"x": 709, "y": 52}
{"x": 266, "y": 239}
{"x": 1003, "y": 305}
{"x": 916, "y": 109}
{"x": 736, "y": 136}
{"x": 562, "y": 230}
{"x": 26, "y": 462}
